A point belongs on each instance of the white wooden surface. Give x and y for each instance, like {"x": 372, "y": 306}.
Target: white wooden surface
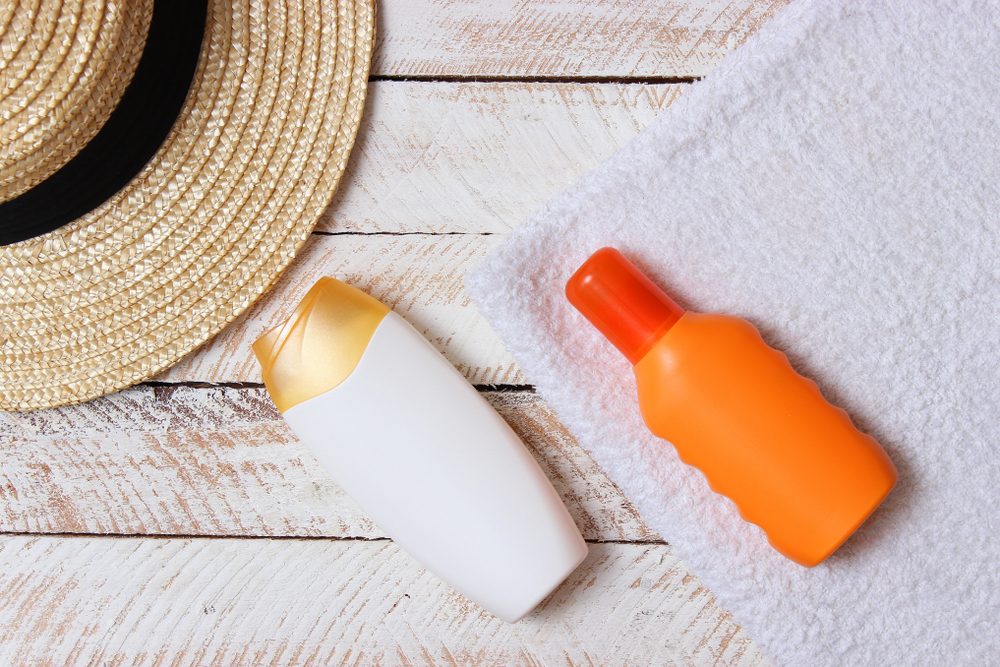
{"x": 478, "y": 157}
{"x": 182, "y": 523}
{"x": 562, "y": 38}
{"x": 181, "y": 601}
{"x": 420, "y": 275}
{"x": 182, "y": 460}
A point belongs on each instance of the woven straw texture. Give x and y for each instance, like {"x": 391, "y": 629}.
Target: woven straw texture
{"x": 207, "y": 225}
{"x": 63, "y": 68}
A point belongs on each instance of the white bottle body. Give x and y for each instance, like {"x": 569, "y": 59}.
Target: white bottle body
{"x": 441, "y": 473}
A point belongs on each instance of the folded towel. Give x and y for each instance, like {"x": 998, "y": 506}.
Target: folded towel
{"x": 837, "y": 182}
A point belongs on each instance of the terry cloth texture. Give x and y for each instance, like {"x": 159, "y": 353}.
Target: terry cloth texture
{"x": 836, "y": 181}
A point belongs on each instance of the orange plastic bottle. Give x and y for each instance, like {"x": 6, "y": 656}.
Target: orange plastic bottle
{"x": 734, "y": 408}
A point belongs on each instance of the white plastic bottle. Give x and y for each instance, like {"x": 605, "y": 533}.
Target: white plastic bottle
{"x": 419, "y": 449}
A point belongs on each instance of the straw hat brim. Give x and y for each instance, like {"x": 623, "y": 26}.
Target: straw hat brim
{"x": 126, "y": 290}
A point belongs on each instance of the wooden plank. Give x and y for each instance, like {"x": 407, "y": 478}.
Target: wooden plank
{"x": 420, "y": 276}
{"x": 479, "y": 157}
{"x": 247, "y": 602}
{"x": 562, "y": 38}
{"x": 221, "y": 461}
{"x": 434, "y": 176}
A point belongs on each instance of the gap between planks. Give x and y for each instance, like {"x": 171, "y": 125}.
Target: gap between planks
{"x": 282, "y": 538}
{"x": 323, "y": 232}
{"x": 581, "y": 79}
{"x": 196, "y": 384}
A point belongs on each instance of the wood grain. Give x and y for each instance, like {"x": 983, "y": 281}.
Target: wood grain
{"x": 562, "y": 38}
{"x": 429, "y": 162}
{"x": 102, "y": 601}
{"x": 420, "y": 276}
{"x": 221, "y": 461}
{"x": 535, "y": 93}
{"x": 480, "y": 157}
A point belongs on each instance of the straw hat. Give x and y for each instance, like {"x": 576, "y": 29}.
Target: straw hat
{"x": 160, "y": 164}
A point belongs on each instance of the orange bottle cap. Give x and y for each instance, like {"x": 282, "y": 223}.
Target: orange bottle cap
{"x": 626, "y": 306}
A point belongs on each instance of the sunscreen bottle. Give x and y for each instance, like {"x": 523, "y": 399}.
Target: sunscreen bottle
{"x": 734, "y": 408}
{"x": 419, "y": 449}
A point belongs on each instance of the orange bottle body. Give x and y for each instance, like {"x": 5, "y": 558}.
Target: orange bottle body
{"x": 762, "y": 434}
{"x": 734, "y": 408}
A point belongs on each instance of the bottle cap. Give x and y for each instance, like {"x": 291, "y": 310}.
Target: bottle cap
{"x": 320, "y": 343}
{"x": 625, "y": 305}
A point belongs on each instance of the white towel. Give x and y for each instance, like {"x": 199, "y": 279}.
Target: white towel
{"x": 835, "y": 181}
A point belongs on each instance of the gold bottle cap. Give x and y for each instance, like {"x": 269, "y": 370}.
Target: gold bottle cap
{"x": 320, "y": 344}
